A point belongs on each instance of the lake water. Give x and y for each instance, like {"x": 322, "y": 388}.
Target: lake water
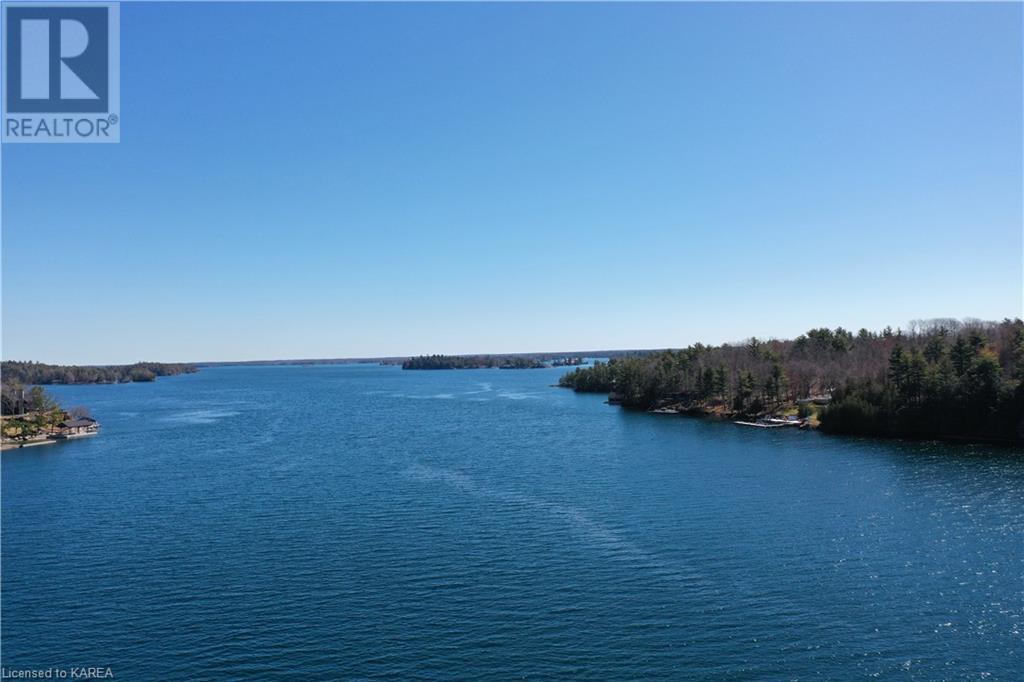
{"x": 362, "y": 521}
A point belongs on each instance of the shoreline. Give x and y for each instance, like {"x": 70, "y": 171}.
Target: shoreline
{"x": 945, "y": 380}
{"x": 700, "y": 413}
{"x": 6, "y": 445}
{"x": 48, "y": 440}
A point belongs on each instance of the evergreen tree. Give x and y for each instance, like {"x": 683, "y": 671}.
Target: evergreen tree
{"x": 935, "y": 349}
{"x": 960, "y": 355}
{"x": 897, "y": 367}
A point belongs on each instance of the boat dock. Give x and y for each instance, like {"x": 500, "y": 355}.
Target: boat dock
{"x": 772, "y": 423}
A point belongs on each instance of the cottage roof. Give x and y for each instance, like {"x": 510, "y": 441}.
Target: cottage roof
{"x": 76, "y": 423}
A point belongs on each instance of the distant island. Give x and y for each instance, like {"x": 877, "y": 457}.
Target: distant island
{"x": 472, "y": 362}
{"x": 507, "y": 361}
{"x": 552, "y": 359}
{"x": 941, "y": 378}
{"x": 38, "y": 373}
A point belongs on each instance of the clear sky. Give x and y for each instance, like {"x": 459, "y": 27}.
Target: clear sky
{"x": 337, "y": 180}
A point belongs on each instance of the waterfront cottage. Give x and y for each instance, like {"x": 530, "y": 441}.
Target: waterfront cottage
{"x": 81, "y": 426}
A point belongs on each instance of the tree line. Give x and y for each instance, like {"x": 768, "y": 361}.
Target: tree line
{"x": 21, "y": 392}
{"x": 937, "y": 378}
{"x": 38, "y": 373}
{"x": 471, "y": 362}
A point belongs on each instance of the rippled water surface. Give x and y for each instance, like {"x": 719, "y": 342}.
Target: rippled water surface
{"x": 361, "y": 521}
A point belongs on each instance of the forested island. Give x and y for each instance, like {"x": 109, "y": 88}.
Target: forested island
{"x": 938, "y": 379}
{"x": 472, "y": 362}
{"x": 38, "y": 373}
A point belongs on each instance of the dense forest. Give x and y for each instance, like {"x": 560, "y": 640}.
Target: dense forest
{"x": 938, "y": 378}
{"x": 37, "y": 373}
{"x": 471, "y": 362}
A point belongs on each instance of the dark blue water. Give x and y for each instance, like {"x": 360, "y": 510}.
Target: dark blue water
{"x": 361, "y": 521}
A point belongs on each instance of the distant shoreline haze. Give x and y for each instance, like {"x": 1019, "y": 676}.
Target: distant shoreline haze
{"x": 911, "y": 329}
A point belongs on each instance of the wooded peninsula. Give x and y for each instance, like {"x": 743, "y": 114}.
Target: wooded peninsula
{"x": 941, "y": 378}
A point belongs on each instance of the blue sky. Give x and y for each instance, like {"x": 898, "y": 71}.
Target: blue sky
{"x": 332, "y": 180}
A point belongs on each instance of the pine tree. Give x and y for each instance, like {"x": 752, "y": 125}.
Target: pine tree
{"x": 897, "y": 367}
{"x": 960, "y": 355}
{"x": 934, "y": 349}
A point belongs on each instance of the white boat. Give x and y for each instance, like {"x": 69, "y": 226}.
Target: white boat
{"x": 784, "y": 421}
{"x": 761, "y": 424}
